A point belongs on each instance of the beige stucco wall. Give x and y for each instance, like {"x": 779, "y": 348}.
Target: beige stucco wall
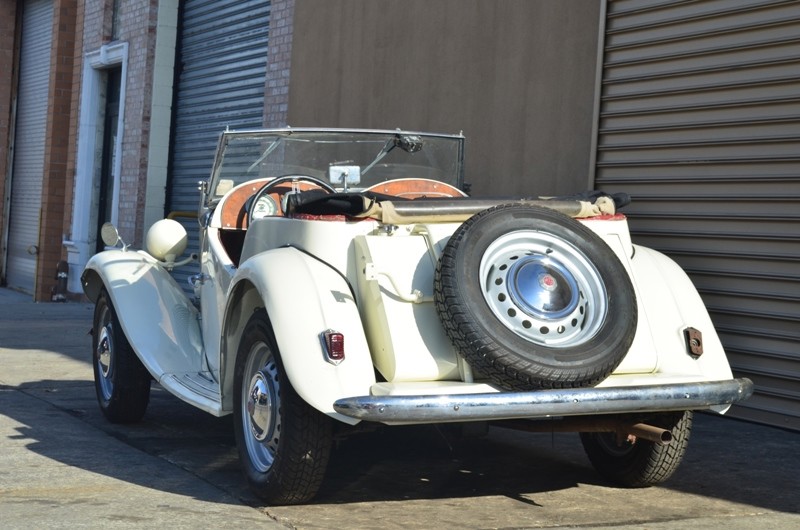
{"x": 522, "y": 93}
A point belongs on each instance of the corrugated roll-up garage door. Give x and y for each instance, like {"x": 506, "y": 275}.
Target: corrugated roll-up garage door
{"x": 221, "y": 74}
{"x": 28, "y": 169}
{"x": 700, "y": 123}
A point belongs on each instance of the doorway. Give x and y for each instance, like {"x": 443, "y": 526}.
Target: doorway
{"x": 109, "y": 154}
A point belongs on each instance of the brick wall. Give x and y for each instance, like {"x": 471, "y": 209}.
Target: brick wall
{"x": 137, "y": 21}
{"x": 94, "y": 20}
{"x": 57, "y": 144}
{"x": 82, "y": 27}
{"x": 137, "y": 24}
{"x": 74, "y": 104}
{"x": 276, "y": 91}
{"x": 59, "y": 114}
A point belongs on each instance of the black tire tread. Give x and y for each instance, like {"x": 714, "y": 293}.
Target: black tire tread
{"x": 481, "y": 351}
{"x": 647, "y": 463}
{"x": 306, "y": 435}
{"x": 131, "y": 393}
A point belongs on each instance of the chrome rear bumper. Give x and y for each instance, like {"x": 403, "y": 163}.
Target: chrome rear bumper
{"x": 544, "y": 403}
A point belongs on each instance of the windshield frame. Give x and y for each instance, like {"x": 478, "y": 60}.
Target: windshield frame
{"x": 382, "y": 137}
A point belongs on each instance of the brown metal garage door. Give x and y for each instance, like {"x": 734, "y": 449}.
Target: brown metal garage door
{"x": 700, "y": 123}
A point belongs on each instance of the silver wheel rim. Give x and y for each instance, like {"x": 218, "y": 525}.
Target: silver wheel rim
{"x": 261, "y": 411}
{"x": 104, "y": 356}
{"x": 543, "y": 288}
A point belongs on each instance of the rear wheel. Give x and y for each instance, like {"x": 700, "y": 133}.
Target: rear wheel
{"x": 284, "y": 444}
{"x": 121, "y": 381}
{"x": 639, "y": 463}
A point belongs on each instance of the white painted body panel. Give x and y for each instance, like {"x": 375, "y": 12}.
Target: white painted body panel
{"x": 642, "y": 356}
{"x": 408, "y": 343}
{"x": 671, "y": 304}
{"x": 371, "y": 280}
{"x": 304, "y": 297}
{"x": 159, "y": 321}
{"x": 423, "y": 353}
{"x": 356, "y": 278}
{"x": 218, "y": 271}
{"x": 330, "y": 241}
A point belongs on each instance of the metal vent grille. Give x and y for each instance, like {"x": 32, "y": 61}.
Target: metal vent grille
{"x": 700, "y": 123}
{"x": 29, "y": 144}
{"x": 220, "y": 83}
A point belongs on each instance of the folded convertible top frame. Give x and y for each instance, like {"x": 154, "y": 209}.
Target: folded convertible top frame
{"x": 459, "y": 210}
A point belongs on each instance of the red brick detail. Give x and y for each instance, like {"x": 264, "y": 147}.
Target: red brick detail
{"x": 59, "y": 124}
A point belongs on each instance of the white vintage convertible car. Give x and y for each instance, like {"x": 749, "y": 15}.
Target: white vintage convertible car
{"x": 345, "y": 277}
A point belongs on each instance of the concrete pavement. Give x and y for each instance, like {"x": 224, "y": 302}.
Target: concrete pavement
{"x": 58, "y": 470}
{"x": 62, "y": 465}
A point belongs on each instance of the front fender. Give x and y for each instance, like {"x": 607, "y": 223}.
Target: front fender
{"x": 303, "y": 297}
{"x": 157, "y": 318}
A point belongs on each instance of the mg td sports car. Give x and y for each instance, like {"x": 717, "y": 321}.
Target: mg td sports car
{"x": 345, "y": 277}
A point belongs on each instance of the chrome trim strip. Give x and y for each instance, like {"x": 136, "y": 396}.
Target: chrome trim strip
{"x": 544, "y": 403}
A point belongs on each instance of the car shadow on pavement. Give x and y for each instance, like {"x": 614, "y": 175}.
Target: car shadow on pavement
{"x": 60, "y": 421}
{"x": 434, "y": 462}
{"x": 742, "y": 462}
{"x": 729, "y": 460}
{"x": 54, "y": 414}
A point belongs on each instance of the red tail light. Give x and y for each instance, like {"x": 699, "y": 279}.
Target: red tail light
{"x": 334, "y": 346}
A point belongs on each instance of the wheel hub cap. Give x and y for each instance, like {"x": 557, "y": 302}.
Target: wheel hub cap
{"x": 260, "y": 406}
{"x": 104, "y": 347}
{"x": 542, "y": 288}
{"x": 104, "y": 355}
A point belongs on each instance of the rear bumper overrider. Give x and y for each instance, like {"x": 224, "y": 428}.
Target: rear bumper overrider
{"x": 544, "y": 403}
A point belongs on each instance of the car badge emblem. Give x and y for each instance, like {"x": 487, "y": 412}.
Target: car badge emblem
{"x": 548, "y": 282}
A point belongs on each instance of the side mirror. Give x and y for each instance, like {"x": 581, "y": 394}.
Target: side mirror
{"x": 109, "y": 235}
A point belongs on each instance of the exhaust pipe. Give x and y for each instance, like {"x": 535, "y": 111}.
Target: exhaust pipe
{"x": 624, "y": 430}
{"x": 651, "y": 433}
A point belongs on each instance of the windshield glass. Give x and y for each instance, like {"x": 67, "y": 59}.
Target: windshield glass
{"x": 351, "y": 160}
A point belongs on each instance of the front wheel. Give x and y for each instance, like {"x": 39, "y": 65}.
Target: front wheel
{"x": 121, "y": 381}
{"x": 284, "y": 444}
{"x": 640, "y": 463}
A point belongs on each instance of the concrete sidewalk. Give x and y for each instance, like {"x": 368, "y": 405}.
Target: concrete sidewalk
{"x": 62, "y": 465}
{"x": 57, "y": 469}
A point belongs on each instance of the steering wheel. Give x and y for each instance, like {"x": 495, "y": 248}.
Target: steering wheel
{"x": 269, "y": 186}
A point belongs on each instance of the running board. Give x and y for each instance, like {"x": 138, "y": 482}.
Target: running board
{"x": 197, "y": 389}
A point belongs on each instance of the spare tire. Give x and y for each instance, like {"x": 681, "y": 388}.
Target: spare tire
{"x": 533, "y": 299}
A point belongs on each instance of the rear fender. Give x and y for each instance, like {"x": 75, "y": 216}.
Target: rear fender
{"x": 303, "y": 297}
{"x": 668, "y": 304}
{"x": 671, "y": 300}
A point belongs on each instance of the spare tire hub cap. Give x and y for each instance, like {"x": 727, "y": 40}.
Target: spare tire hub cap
{"x": 542, "y": 288}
